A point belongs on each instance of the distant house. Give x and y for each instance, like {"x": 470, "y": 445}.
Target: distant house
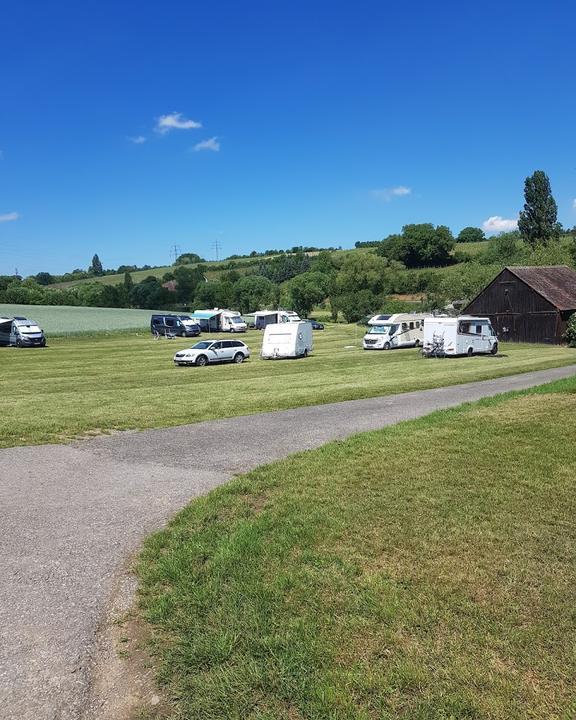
{"x": 528, "y": 304}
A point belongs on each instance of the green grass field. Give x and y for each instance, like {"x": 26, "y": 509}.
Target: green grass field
{"x": 83, "y": 384}
{"x": 58, "y": 320}
{"x": 423, "y": 572}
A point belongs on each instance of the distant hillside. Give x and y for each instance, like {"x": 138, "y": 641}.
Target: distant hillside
{"x": 216, "y": 267}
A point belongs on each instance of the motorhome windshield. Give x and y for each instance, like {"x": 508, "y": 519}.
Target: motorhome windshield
{"x": 236, "y": 319}
{"x": 383, "y": 330}
{"x": 202, "y": 345}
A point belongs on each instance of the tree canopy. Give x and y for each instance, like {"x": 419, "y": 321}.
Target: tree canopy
{"x": 471, "y": 234}
{"x": 538, "y": 220}
{"x": 420, "y": 245}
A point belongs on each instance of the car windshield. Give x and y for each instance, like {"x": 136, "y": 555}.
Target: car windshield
{"x": 25, "y": 323}
{"x": 203, "y": 345}
{"x": 383, "y": 329}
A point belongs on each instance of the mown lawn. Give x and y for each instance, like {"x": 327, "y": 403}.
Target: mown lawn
{"x": 423, "y": 572}
{"x": 83, "y": 384}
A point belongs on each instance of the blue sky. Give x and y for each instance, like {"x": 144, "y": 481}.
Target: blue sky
{"x": 127, "y": 128}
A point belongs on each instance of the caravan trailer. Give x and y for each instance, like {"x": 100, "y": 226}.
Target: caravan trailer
{"x": 262, "y": 318}
{"x": 464, "y": 335}
{"x": 395, "y": 331}
{"x": 286, "y": 340}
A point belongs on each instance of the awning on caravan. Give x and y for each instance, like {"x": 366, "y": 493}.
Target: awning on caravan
{"x": 205, "y": 314}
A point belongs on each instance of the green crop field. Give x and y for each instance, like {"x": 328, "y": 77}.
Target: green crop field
{"x": 58, "y": 320}
{"x": 83, "y": 384}
{"x": 422, "y": 572}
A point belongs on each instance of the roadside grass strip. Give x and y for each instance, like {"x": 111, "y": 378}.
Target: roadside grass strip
{"x": 422, "y": 572}
{"x": 78, "y": 385}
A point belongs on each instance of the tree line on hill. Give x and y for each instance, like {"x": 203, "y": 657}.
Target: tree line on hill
{"x": 414, "y": 262}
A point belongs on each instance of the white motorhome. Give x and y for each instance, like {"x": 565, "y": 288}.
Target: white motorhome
{"x": 262, "y": 318}
{"x": 219, "y": 320}
{"x": 287, "y": 340}
{"x": 394, "y": 331}
{"x": 464, "y": 335}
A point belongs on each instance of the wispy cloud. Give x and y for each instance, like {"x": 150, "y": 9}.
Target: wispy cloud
{"x": 574, "y": 203}
{"x": 497, "y": 224}
{"x": 138, "y": 140}
{"x": 387, "y": 194}
{"x": 210, "y": 144}
{"x": 175, "y": 121}
{"x": 9, "y": 217}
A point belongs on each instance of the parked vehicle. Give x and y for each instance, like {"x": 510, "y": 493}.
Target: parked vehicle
{"x": 315, "y": 324}
{"x": 287, "y": 340}
{"x": 171, "y": 325}
{"x": 213, "y": 351}
{"x": 218, "y": 320}
{"x": 21, "y": 332}
{"x": 377, "y": 320}
{"x": 262, "y": 318}
{"x": 400, "y": 330}
{"x": 464, "y": 335}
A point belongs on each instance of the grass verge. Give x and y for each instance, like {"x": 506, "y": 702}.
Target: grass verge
{"x": 116, "y": 382}
{"x": 422, "y": 572}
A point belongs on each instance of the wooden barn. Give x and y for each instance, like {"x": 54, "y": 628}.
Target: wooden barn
{"x": 528, "y": 304}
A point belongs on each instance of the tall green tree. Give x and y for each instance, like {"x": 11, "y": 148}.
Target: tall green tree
{"x": 538, "y": 221}
{"x": 306, "y": 290}
{"x": 96, "y": 267}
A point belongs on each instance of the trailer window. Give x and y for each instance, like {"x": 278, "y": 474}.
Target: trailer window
{"x": 479, "y": 329}
{"x": 411, "y": 326}
{"x": 417, "y": 324}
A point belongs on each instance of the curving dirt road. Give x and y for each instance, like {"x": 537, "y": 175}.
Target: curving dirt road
{"x": 72, "y": 514}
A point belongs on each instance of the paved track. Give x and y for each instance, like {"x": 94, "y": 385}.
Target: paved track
{"x": 72, "y": 514}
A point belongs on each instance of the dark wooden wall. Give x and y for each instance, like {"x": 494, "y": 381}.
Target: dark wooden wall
{"x": 517, "y": 312}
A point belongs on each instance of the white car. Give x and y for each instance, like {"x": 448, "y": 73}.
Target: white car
{"x": 213, "y": 351}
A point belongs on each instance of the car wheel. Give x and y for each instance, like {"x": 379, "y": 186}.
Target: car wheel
{"x": 470, "y": 352}
{"x": 386, "y": 346}
{"x": 18, "y": 342}
{"x": 494, "y": 349}
{"x": 238, "y": 358}
{"x": 305, "y": 352}
{"x": 201, "y": 360}
{"x": 416, "y": 343}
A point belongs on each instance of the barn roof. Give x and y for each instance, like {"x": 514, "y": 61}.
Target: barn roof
{"x": 556, "y": 283}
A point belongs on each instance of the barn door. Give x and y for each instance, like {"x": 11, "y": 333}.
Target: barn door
{"x": 505, "y": 327}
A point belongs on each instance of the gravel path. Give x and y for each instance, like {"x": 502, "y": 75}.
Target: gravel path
{"x": 72, "y": 514}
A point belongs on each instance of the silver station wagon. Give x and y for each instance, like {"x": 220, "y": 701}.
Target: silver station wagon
{"x": 213, "y": 351}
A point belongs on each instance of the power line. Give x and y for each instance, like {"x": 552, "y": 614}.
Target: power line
{"x": 175, "y": 253}
{"x": 217, "y": 247}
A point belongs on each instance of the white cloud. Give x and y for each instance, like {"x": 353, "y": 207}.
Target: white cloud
{"x": 138, "y": 140}
{"x": 210, "y": 144}
{"x": 8, "y": 217}
{"x": 175, "y": 121}
{"x": 497, "y": 224}
{"x": 386, "y": 194}
{"x": 574, "y": 203}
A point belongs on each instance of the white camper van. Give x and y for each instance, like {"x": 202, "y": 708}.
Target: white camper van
{"x": 464, "y": 335}
{"x": 394, "y": 331}
{"x": 286, "y": 340}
